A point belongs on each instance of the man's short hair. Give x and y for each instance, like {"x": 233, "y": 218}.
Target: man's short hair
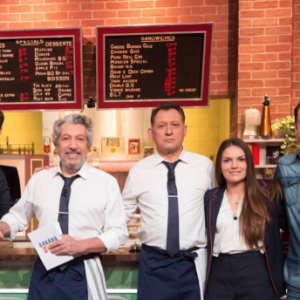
{"x": 296, "y": 109}
{"x": 167, "y": 106}
{"x": 1, "y": 119}
{"x": 74, "y": 119}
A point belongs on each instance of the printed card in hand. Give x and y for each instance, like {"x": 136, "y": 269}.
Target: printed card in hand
{"x": 42, "y": 238}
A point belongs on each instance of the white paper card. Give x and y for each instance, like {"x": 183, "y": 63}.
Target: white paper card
{"x": 42, "y": 238}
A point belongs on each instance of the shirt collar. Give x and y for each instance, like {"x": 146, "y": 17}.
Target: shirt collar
{"x": 83, "y": 172}
{"x": 183, "y": 157}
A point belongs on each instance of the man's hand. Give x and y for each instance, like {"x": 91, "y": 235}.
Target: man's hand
{"x": 4, "y": 230}
{"x": 66, "y": 246}
{"x": 70, "y": 246}
{"x": 36, "y": 170}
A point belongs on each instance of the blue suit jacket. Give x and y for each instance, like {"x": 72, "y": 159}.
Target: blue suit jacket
{"x": 5, "y": 199}
{"x": 271, "y": 240}
{"x": 13, "y": 182}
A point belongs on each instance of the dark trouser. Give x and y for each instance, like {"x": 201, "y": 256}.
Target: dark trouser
{"x": 162, "y": 277}
{"x": 67, "y": 283}
{"x": 240, "y": 277}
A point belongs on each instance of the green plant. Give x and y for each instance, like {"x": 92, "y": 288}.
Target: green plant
{"x": 287, "y": 125}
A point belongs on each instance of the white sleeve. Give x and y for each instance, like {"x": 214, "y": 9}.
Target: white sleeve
{"x": 115, "y": 231}
{"x": 130, "y": 201}
{"x": 212, "y": 175}
{"x": 21, "y": 213}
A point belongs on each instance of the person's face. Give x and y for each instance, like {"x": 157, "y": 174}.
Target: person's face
{"x": 233, "y": 165}
{"x": 168, "y": 131}
{"x": 275, "y": 154}
{"x": 297, "y": 126}
{"x": 72, "y": 147}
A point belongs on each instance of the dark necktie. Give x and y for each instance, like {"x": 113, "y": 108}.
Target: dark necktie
{"x": 63, "y": 214}
{"x": 173, "y": 215}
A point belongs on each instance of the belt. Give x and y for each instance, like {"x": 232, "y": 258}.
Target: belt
{"x": 239, "y": 255}
{"x": 168, "y": 260}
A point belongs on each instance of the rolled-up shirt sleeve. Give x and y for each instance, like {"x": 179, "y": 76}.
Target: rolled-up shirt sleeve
{"x": 21, "y": 213}
{"x": 115, "y": 230}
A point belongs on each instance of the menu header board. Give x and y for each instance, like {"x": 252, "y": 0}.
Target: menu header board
{"x": 143, "y": 66}
{"x": 40, "y": 69}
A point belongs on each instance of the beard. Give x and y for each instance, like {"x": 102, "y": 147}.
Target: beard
{"x": 71, "y": 166}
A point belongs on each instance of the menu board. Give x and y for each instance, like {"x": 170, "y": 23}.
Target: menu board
{"x": 40, "y": 69}
{"x": 145, "y": 66}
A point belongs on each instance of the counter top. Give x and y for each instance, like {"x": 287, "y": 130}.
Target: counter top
{"x": 8, "y": 253}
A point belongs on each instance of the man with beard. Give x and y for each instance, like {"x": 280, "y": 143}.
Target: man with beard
{"x": 88, "y": 205}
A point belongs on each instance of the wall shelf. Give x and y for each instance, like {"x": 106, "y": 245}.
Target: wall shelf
{"x": 264, "y": 170}
{"x": 265, "y": 166}
{"x": 264, "y": 141}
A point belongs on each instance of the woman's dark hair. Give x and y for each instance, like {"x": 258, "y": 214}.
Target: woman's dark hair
{"x": 257, "y": 201}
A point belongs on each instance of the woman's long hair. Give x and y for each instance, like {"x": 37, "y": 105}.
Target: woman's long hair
{"x": 257, "y": 201}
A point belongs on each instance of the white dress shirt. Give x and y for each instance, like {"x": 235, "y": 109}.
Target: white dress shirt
{"x": 146, "y": 187}
{"x": 227, "y": 237}
{"x": 95, "y": 208}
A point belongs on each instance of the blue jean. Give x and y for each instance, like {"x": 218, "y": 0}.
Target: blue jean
{"x": 293, "y": 293}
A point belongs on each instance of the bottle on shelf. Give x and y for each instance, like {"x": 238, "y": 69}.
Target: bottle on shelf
{"x": 265, "y": 130}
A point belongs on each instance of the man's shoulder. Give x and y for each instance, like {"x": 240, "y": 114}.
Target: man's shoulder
{"x": 97, "y": 173}
{"x": 288, "y": 159}
{"x": 46, "y": 173}
{"x": 195, "y": 157}
{"x": 147, "y": 162}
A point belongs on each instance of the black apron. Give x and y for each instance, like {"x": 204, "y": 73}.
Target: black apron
{"x": 66, "y": 282}
{"x": 162, "y": 277}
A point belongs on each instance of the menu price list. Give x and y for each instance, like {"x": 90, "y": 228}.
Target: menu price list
{"x": 164, "y": 66}
{"x": 34, "y": 70}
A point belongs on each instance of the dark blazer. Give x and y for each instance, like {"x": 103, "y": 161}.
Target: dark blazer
{"x": 5, "y": 199}
{"x": 13, "y": 182}
{"x": 271, "y": 240}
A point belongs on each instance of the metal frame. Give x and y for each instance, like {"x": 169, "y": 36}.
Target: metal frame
{"x": 102, "y": 32}
{"x": 76, "y": 35}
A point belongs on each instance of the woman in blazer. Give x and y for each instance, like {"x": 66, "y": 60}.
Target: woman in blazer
{"x": 243, "y": 221}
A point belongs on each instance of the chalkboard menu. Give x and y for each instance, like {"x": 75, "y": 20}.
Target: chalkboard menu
{"x": 147, "y": 65}
{"x": 40, "y": 69}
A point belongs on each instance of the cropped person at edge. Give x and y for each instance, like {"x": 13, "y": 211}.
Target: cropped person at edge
{"x": 288, "y": 175}
{"x": 5, "y": 199}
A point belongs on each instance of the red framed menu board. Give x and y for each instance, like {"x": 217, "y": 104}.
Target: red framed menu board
{"x": 143, "y": 66}
{"x": 40, "y": 69}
